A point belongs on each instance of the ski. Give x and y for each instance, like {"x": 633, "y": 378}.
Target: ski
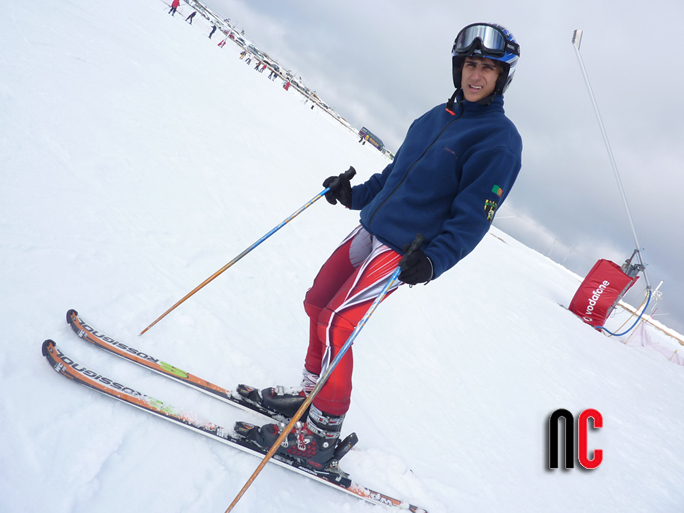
{"x": 91, "y": 379}
{"x": 127, "y": 352}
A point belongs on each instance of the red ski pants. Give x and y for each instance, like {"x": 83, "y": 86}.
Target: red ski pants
{"x": 342, "y": 292}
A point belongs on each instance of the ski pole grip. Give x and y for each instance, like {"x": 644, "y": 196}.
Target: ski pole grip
{"x": 415, "y": 245}
{"x": 335, "y": 184}
{"x": 350, "y": 173}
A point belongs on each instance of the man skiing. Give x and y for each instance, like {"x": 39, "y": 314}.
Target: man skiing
{"x": 174, "y": 6}
{"x": 455, "y": 167}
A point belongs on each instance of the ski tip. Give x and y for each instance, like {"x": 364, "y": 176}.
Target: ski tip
{"x": 46, "y": 345}
{"x": 69, "y": 314}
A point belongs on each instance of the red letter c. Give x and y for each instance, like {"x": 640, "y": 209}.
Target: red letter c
{"x": 583, "y": 426}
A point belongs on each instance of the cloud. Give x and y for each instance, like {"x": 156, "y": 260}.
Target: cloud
{"x": 382, "y": 64}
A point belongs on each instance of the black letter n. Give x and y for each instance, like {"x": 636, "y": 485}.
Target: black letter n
{"x": 569, "y": 438}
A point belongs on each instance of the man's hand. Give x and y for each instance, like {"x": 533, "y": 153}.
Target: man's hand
{"x": 415, "y": 268}
{"x": 340, "y": 188}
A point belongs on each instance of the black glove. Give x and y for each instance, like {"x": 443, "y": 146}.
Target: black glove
{"x": 416, "y": 267}
{"x": 340, "y": 188}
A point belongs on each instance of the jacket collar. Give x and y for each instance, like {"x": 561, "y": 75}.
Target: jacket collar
{"x": 494, "y": 102}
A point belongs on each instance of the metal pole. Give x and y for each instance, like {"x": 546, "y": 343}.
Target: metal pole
{"x": 349, "y": 174}
{"x": 286, "y": 431}
{"x": 576, "y": 42}
{"x": 414, "y": 246}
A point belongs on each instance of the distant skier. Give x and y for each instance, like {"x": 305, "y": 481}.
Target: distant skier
{"x": 189, "y": 18}
{"x": 456, "y": 166}
{"x": 213, "y": 29}
{"x": 174, "y": 6}
{"x": 242, "y": 55}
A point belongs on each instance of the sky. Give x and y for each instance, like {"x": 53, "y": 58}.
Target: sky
{"x": 382, "y": 64}
{"x": 136, "y": 158}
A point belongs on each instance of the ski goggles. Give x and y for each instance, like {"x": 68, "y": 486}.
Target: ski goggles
{"x": 490, "y": 40}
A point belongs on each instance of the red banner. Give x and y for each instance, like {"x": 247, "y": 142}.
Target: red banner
{"x": 601, "y": 289}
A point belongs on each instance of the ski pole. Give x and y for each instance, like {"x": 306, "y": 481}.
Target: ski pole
{"x": 349, "y": 174}
{"x": 415, "y": 245}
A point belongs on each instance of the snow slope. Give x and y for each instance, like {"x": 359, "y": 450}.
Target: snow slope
{"x": 137, "y": 158}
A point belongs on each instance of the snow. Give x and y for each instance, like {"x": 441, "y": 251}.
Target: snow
{"x": 138, "y": 158}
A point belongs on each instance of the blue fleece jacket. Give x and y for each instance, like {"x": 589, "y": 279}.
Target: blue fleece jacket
{"x": 446, "y": 181}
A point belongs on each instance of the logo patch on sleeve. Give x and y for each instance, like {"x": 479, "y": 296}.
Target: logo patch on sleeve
{"x": 497, "y": 190}
{"x": 490, "y": 209}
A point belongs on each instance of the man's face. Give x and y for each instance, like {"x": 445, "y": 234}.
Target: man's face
{"x": 478, "y": 78}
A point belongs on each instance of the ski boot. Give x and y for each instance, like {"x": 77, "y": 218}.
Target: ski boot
{"x": 314, "y": 443}
{"x": 280, "y": 400}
